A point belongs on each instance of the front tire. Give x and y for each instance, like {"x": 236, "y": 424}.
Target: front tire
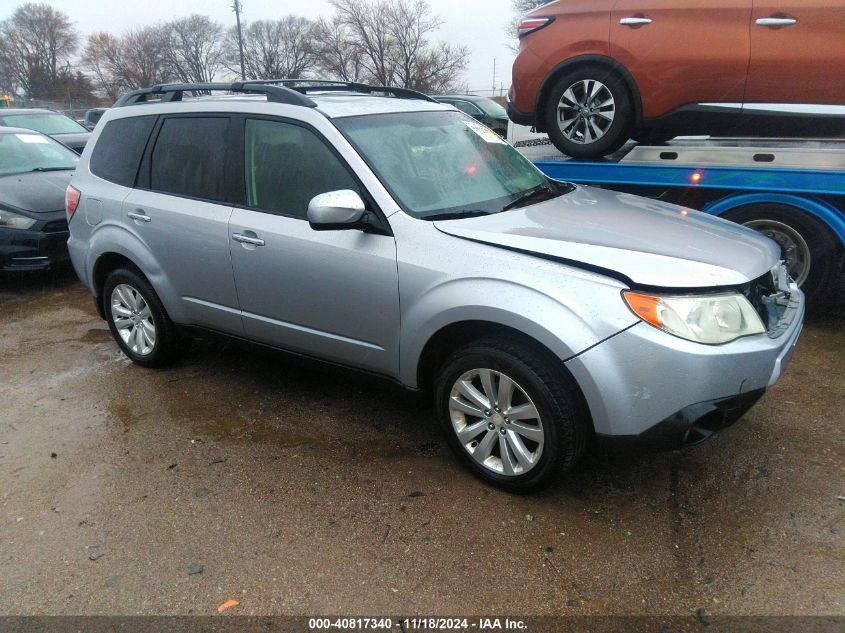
{"x": 138, "y": 321}
{"x": 509, "y": 414}
{"x": 589, "y": 113}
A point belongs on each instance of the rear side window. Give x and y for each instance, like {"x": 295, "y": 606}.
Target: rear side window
{"x": 119, "y": 149}
{"x": 188, "y": 159}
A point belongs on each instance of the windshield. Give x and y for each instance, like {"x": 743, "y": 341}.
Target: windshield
{"x": 21, "y": 153}
{"x": 442, "y": 162}
{"x": 45, "y": 123}
{"x": 491, "y": 108}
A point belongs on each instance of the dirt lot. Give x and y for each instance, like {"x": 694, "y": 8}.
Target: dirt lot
{"x": 303, "y": 491}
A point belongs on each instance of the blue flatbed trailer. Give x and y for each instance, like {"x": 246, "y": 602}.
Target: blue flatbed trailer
{"x": 794, "y": 192}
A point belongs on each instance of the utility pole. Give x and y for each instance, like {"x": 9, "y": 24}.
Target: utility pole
{"x": 236, "y": 7}
{"x": 494, "y": 75}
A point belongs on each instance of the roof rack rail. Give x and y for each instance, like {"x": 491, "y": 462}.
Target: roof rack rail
{"x": 174, "y": 92}
{"x": 325, "y": 85}
{"x": 289, "y": 91}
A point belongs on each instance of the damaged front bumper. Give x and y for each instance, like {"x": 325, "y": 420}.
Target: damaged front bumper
{"x": 645, "y": 387}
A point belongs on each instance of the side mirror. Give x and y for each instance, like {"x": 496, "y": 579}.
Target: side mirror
{"x": 337, "y": 211}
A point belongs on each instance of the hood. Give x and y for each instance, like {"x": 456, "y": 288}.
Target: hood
{"x": 74, "y": 141}
{"x": 35, "y": 192}
{"x": 645, "y": 242}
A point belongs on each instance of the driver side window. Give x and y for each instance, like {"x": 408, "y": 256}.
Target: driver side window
{"x": 286, "y": 165}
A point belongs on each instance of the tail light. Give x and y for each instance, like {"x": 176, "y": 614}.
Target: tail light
{"x": 529, "y": 25}
{"x": 72, "y": 197}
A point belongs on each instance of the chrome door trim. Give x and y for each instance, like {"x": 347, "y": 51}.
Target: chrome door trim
{"x": 139, "y": 215}
{"x": 635, "y": 21}
{"x": 245, "y": 239}
{"x": 770, "y": 22}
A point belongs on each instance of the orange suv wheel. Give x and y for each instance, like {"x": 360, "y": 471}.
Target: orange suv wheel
{"x": 589, "y": 113}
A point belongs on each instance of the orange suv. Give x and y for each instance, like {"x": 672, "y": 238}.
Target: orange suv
{"x": 593, "y": 73}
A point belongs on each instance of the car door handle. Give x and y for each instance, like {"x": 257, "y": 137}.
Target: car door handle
{"x": 635, "y": 21}
{"x": 246, "y": 239}
{"x": 138, "y": 214}
{"x": 776, "y": 22}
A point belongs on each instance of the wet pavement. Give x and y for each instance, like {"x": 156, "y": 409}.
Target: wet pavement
{"x": 239, "y": 474}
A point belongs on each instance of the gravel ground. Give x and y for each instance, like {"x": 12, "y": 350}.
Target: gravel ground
{"x": 239, "y": 474}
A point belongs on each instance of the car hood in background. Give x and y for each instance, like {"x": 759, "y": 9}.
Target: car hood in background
{"x": 74, "y": 141}
{"x": 36, "y": 192}
{"x": 647, "y": 242}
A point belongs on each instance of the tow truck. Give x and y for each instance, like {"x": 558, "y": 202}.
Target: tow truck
{"x": 792, "y": 190}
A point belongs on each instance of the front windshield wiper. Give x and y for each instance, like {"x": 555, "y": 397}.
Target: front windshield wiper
{"x": 457, "y": 215}
{"x": 52, "y": 168}
{"x": 530, "y": 194}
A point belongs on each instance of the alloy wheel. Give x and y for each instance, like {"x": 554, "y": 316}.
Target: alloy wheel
{"x": 586, "y": 111}
{"x": 133, "y": 319}
{"x": 496, "y": 422}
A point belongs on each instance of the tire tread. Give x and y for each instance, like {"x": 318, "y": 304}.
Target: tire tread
{"x": 572, "y": 428}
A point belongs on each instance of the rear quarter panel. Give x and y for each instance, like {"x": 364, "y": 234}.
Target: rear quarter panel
{"x": 581, "y": 27}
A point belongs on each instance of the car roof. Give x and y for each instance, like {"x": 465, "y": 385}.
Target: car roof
{"x": 8, "y": 111}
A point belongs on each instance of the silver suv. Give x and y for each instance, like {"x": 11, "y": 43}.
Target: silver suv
{"x": 380, "y": 230}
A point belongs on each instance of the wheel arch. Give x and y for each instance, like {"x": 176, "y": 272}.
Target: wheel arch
{"x": 582, "y": 60}
{"x": 455, "y": 335}
{"x": 113, "y": 246}
{"x": 825, "y": 212}
{"x": 103, "y": 267}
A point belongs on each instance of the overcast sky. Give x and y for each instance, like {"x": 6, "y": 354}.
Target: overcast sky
{"x": 480, "y": 24}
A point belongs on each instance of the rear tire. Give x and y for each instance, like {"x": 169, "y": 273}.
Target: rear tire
{"x": 810, "y": 249}
{"x": 138, "y": 321}
{"x": 537, "y": 447}
{"x": 577, "y": 110}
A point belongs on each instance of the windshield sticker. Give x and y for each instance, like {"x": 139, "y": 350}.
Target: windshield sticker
{"x": 32, "y": 138}
{"x": 484, "y": 132}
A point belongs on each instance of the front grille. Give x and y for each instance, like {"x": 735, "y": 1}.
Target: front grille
{"x": 55, "y": 226}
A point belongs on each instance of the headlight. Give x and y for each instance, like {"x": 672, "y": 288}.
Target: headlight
{"x": 711, "y": 319}
{"x": 9, "y": 220}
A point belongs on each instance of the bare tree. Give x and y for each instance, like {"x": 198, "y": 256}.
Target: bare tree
{"x": 138, "y": 59}
{"x": 338, "y": 56}
{"x": 37, "y": 44}
{"x": 273, "y": 49}
{"x": 408, "y": 23}
{"x": 143, "y": 55}
{"x": 439, "y": 69}
{"x": 390, "y": 40}
{"x": 367, "y": 23}
{"x": 102, "y": 58}
{"x": 194, "y": 48}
